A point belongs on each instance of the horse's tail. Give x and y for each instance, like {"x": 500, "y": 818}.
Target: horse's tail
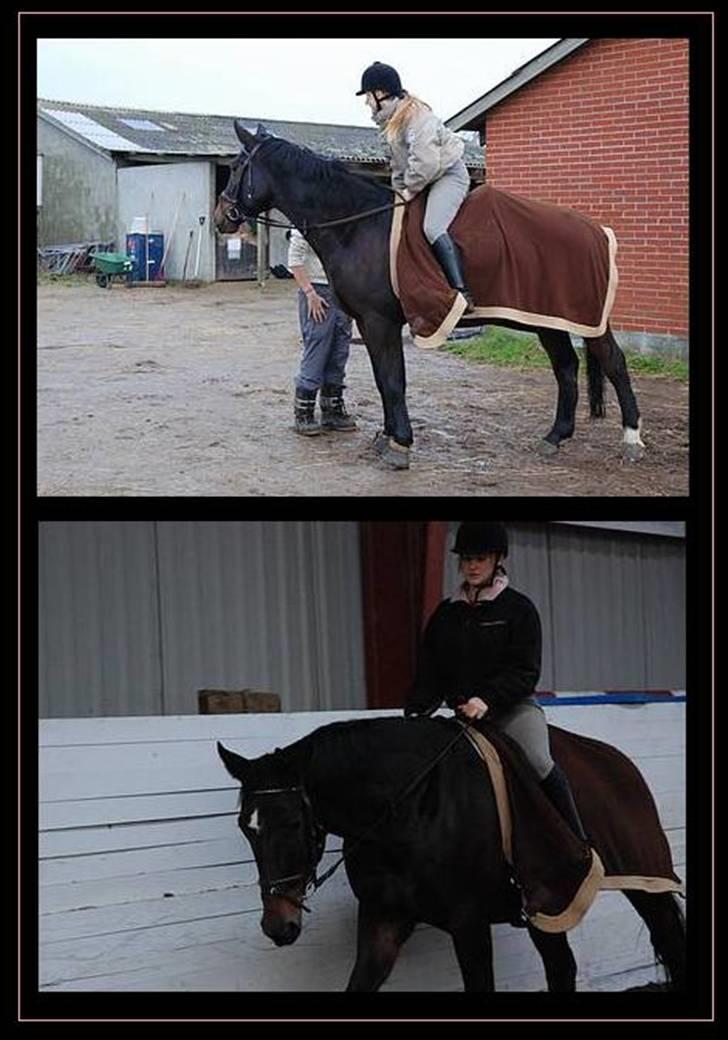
{"x": 595, "y": 381}
{"x": 671, "y": 953}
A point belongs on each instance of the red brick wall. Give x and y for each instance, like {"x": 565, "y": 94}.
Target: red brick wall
{"x": 606, "y": 132}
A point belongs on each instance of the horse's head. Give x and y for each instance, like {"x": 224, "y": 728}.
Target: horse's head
{"x": 249, "y": 190}
{"x": 277, "y": 819}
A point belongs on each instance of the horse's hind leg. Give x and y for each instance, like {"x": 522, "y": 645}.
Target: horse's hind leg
{"x": 566, "y": 366}
{"x": 611, "y": 357}
{"x": 558, "y": 960}
{"x": 474, "y": 951}
{"x": 379, "y": 939}
{"x": 664, "y": 919}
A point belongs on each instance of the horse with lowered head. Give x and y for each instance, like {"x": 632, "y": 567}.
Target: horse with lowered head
{"x": 421, "y": 843}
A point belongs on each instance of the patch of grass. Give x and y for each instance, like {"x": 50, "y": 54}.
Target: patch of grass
{"x": 499, "y": 346}
{"x": 654, "y": 365}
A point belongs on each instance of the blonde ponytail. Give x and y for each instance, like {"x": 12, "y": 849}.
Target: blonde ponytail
{"x": 405, "y": 111}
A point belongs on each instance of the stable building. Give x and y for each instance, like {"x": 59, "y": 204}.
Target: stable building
{"x": 602, "y": 126}
{"x": 107, "y": 171}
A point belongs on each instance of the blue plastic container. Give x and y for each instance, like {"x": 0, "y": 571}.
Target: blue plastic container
{"x": 146, "y": 252}
{"x": 136, "y": 249}
{"x": 155, "y": 252}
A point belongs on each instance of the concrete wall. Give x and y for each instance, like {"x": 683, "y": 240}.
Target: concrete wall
{"x": 79, "y": 190}
{"x": 158, "y": 192}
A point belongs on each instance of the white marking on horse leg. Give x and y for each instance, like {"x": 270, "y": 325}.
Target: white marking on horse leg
{"x": 633, "y": 436}
{"x": 253, "y": 822}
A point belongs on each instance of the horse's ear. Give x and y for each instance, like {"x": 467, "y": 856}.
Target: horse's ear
{"x": 262, "y": 131}
{"x": 236, "y": 765}
{"x": 244, "y": 136}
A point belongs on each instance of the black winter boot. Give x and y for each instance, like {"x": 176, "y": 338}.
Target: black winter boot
{"x": 448, "y": 257}
{"x": 334, "y": 415}
{"x": 305, "y": 402}
{"x": 557, "y": 789}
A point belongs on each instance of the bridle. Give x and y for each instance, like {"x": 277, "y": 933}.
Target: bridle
{"x": 233, "y": 214}
{"x": 316, "y": 838}
{"x": 317, "y": 835}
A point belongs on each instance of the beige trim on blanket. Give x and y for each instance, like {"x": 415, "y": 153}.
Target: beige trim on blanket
{"x": 492, "y": 759}
{"x": 439, "y": 336}
{"x": 394, "y": 237}
{"x": 548, "y": 321}
{"x": 593, "y": 883}
{"x": 642, "y": 884}
{"x": 570, "y": 917}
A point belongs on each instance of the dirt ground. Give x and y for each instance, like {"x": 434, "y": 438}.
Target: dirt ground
{"x": 176, "y": 391}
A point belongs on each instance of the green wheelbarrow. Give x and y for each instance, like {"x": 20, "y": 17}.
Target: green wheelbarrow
{"x": 111, "y": 265}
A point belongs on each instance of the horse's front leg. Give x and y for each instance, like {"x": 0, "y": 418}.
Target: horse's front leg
{"x": 558, "y": 960}
{"x": 383, "y": 338}
{"x": 379, "y": 939}
{"x": 474, "y": 950}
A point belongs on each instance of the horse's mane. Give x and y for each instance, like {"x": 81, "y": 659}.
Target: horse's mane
{"x": 396, "y": 746}
{"x": 302, "y": 162}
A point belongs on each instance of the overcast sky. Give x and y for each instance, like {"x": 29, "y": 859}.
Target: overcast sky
{"x": 304, "y": 81}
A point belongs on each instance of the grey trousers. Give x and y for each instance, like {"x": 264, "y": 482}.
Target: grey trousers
{"x": 526, "y": 724}
{"x": 326, "y": 343}
{"x": 444, "y": 200}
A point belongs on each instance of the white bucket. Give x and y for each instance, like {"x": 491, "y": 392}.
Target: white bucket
{"x": 139, "y": 226}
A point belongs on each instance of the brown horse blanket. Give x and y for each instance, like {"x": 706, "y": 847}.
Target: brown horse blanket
{"x": 528, "y": 262}
{"x": 560, "y": 876}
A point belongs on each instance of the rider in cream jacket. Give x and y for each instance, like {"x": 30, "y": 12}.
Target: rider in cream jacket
{"x": 421, "y": 150}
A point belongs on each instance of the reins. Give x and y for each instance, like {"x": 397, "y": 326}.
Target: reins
{"x": 267, "y": 222}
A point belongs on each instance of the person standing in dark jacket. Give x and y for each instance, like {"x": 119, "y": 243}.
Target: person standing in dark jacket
{"x": 481, "y": 654}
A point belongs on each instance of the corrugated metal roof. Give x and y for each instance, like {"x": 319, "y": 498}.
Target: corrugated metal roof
{"x": 187, "y": 134}
{"x": 471, "y": 118}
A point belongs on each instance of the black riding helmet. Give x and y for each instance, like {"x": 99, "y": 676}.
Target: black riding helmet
{"x": 474, "y": 539}
{"x": 381, "y": 77}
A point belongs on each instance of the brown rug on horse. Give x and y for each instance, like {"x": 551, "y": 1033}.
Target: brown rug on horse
{"x": 560, "y": 877}
{"x": 528, "y": 262}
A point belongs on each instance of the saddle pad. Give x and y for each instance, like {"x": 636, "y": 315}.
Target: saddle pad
{"x": 528, "y": 262}
{"x": 559, "y": 877}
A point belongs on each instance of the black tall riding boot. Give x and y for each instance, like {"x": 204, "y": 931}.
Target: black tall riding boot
{"x": 303, "y": 409}
{"x": 557, "y": 789}
{"x": 448, "y": 257}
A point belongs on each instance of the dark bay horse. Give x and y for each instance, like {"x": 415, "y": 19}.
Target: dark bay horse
{"x": 428, "y": 851}
{"x": 313, "y": 192}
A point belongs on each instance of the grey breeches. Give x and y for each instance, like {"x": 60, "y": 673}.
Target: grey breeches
{"x": 526, "y": 724}
{"x": 444, "y": 200}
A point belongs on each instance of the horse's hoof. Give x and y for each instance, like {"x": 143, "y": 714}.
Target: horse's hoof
{"x": 380, "y": 442}
{"x": 633, "y": 452}
{"x": 395, "y": 456}
{"x": 546, "y": 448}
